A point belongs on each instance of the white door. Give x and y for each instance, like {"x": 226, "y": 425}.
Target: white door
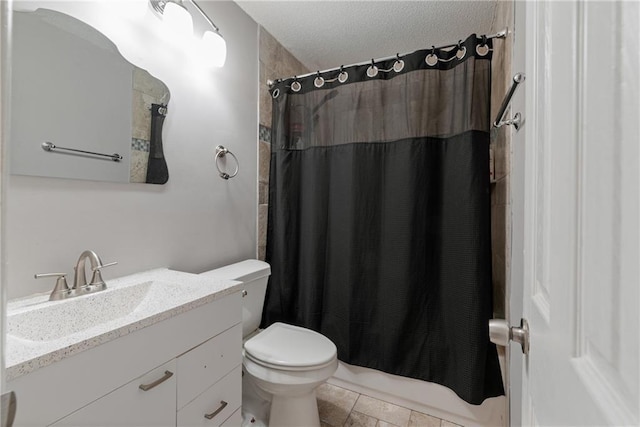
{"x": 576, "y": 197}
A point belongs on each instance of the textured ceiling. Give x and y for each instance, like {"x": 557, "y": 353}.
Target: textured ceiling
{"x": 327, "y": 34}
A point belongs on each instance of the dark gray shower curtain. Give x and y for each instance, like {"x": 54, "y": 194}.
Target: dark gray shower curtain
{"x": 379, "y": 217}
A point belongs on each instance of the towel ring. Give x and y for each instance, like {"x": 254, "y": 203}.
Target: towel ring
{"x": 220, "y": 153}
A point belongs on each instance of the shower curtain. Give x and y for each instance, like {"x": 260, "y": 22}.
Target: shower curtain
{"x": 379, "y": 215}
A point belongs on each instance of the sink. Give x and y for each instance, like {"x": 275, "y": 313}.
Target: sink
{"x": 52, "y": 321}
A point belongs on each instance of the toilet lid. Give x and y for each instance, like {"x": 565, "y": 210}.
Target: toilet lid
{"x": 290, "y": 346}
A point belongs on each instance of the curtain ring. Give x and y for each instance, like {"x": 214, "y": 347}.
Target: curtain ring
{"x": 372, "y": 71}
{"x": 318, "y": 81}
{"x": 399, "y": 64}
{"x": 483, "y": 48}
{"x": 462, "y": 50}
{"x": 296, "y": 86}
{"x": 343, "y": 76}
{"x": 275, "y": 93}
{"x": 432, "y": 58}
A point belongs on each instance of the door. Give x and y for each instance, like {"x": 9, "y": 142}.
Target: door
{"x": 576, "y": 197}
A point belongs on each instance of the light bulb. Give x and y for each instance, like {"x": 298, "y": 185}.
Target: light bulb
{"x": 177, "y": 20}
{"x": 214, "y": 49}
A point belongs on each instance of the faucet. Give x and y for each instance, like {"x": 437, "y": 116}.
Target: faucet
{"x": 80, "y": 277}
{"x": 80, "y": 285}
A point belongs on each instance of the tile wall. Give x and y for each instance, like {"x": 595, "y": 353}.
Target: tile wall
{"x": 275, "y": 62}
{"x": 147, "y": 90}
{"x": 501, "y": 143}
{"x": 501, "y": 77}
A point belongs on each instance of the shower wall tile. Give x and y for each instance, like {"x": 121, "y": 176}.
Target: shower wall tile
{"x": 262, "y": 224}
{"x": 265, "y": 105}
{"x": 140, "y": 144}
{"x": 263, "y": 193}
{"x": 264, "y": 156}
{"x": 138, "y": 168}
{"x": 141, "y": 125}
{"x": 146, "y": 83}
{"x": 264, "y": 133}
{"x": 501, "y": 145}
{"x": 275, "y": 62}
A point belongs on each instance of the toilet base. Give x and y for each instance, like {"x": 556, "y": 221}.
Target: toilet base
{"x": 294, "y": 411}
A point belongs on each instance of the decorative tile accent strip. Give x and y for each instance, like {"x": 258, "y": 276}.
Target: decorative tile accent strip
{"x": 139, "y": 144}
{"x": 264, "y": 133}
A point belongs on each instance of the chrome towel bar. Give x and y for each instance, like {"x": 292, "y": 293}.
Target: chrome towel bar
{"x": 516, "y": 121}
{"x": 49, "y": 146}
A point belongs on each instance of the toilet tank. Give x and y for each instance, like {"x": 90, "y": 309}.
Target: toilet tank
{"x": 254, "y": 274}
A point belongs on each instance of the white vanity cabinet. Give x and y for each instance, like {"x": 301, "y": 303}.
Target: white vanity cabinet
{"x": 201, "y": 348}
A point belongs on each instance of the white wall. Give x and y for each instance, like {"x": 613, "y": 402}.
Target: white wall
{"x": 196, "y": 221}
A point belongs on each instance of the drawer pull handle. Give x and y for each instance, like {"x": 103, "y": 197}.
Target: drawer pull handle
{"x": 223, "y": 405}
{"x": 166, "y": 376}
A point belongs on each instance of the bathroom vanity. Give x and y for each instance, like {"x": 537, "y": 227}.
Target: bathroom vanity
{"x": 164, "y": 349}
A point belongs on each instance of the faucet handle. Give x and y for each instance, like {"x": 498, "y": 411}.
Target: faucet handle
{"x": 61, "y": 289}
{"x": 99, "y": 267}
{"x": 96, "y": 279}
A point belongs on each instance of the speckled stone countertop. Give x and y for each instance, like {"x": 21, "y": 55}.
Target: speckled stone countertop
{"x": 41, "y": 332}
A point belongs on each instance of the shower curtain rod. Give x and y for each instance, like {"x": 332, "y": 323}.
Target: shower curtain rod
{"x": 499, "y": 35}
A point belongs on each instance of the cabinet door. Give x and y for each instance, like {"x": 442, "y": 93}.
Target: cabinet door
{"x": 130, "y": 405}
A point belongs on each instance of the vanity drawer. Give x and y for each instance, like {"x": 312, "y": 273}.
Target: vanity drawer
{"x": 227, "y": 390}
{"x": 130, "y": 405}
{"x": 201, "y": 367}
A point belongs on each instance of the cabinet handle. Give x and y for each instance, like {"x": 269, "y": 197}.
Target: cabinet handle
{"x": 223, "y": 405}
{"x": 166, "y": 376}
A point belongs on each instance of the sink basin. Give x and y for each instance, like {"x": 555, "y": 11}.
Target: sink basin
{"x": 52, "y": 321}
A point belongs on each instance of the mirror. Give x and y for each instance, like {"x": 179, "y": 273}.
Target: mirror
{"x": 71, "y": 88}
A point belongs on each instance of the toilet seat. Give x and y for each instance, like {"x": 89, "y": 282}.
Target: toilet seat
{"x": 290, "y": 348}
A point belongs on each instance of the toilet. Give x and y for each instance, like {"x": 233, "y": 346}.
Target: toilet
{"x": 284, "y": 363}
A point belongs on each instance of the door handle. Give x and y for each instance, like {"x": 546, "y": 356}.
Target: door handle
{"x": 500, "y": 333}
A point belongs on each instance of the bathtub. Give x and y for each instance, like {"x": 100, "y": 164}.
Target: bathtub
{"x": 421, "y": 396}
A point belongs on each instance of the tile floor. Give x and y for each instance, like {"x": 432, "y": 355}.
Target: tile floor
{"x": 340, "y": 407}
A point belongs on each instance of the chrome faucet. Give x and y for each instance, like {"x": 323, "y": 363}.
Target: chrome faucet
{"x": 80, "y": 277}
{"x": 80, "y": 285}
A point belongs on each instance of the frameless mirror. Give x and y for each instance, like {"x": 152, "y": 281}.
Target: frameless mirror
{"x": 78, "y": 108}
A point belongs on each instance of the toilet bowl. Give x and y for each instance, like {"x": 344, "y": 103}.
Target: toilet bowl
{"x": 284, "y": 361}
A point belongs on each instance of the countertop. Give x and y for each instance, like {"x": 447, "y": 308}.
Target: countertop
{"x": 167, "y": 294}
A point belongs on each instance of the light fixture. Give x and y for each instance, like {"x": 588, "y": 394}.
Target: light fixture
{"x": 214, "y": 49}
{"x": 175, "y": 16}
{"x": 178, "y": 20}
